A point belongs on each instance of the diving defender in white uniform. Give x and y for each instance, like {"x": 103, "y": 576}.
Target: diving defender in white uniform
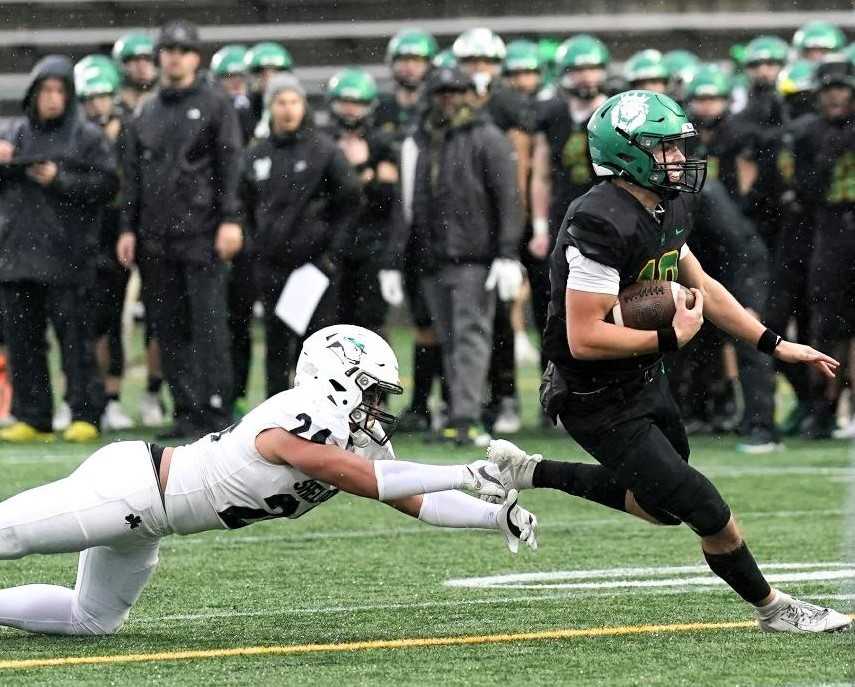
{"x": 291, "y": 453}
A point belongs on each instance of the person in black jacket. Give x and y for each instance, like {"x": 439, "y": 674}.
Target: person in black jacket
{"x": 468, "y": 221}
{"x": 181, "y": 163}
{"x": 58, "y": 173}
{"x": 299, "y": 196}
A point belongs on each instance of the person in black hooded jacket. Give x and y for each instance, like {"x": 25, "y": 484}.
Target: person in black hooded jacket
{"x": 299, "y": 197}
{"x": 57, "y": 173}
{"x": 181, "y": 165}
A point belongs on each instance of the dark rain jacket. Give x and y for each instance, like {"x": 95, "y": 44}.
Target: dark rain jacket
{"x": 181, "y": 165}
{"x": 49, "y": 234}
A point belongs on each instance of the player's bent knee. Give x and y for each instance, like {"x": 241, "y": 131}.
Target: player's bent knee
{"x": 701, "y": 506}
{"x": 102, "y": 622}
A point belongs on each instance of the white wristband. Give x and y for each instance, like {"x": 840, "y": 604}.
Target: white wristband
{"x": 540, "y": 226}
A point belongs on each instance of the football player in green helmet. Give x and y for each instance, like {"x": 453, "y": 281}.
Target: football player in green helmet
{"x": 96, "y": 83}
{"x": 522, "y": 67}
{"x": 681, "y": 66}
{"x": 229, "y": 68}
{"x": 707, "y": 97}
{"x": 352, "y": 97}
{"x": 765, "y": 56}
{"x": 408, "y": 56}
{"x": 133, "y": 53}
{"x": 262, "y": 61}
{"x": 646, "y": 70}
{"x": 606, "y": 382}
{"x": 795, "y": 86}
{"x": 816, "y": 39}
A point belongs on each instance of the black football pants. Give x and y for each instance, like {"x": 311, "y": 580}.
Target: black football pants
{"x": 189, "y": 312}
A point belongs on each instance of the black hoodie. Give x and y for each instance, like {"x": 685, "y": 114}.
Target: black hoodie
{"x": 49, "y": 234}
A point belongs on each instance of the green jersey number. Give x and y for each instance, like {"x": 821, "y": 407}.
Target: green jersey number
{"x": 667, "y": 268}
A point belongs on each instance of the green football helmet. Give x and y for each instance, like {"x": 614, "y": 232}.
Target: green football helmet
{"x": 646, "y": 65}
{"x": 850, "y": 52}
{"x": 268, "y": 55}
{"x": 796, "y": 77}
{"x": 546, "y": 49}
{"x": 133, "y": 45}
{"x": 628, "y": 131}
{"x": 229, "y": 61}
{"x": 681, "y": 66}
{"x": 819, "y": 35}
{"x": 444, "y": 58}
{"x": 355, "y": 86}
{"x": 480, "y": 43}
{"x": 709, "y": 81}
{"x": 766, "y": 49}
{"x": 411, "y": 43}
{"x": 521, "y": 56}
{"x": 581, "y": 52}
{"x": 95, "y": 75}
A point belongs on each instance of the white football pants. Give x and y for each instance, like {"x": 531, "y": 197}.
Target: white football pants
{"x": 111, "y": 510}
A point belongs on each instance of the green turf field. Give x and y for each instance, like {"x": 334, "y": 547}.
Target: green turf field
{"x": 355, "y": 571}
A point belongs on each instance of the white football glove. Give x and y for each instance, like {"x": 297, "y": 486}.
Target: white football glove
{"x": 517, "y": 524}
{"x": 483, "y": 477}
{"x": 506, "y": 277}
{"x": 391, "y": 286}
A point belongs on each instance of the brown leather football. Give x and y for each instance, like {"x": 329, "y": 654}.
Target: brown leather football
{"x": 648, "y": 305}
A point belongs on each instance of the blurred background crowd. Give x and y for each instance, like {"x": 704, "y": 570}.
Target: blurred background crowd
{"x": 199, "y": 186}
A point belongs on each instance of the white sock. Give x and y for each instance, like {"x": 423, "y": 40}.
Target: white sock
{"x": 456, "y": 509}
{"x": 44, "y": 608}
{"x": 397, "y": 479}
{"x": 779, "y": 599}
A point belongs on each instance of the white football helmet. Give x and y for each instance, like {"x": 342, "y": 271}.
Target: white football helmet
{"x": 355, "y": 368}
{"x": 479, "y": 43}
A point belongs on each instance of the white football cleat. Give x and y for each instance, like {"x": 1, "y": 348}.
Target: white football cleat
{"x": 484, "y": 479}
{"x": 517, "y": 524}
{"x": 516, "y": 467}
{"x": 114, "y": 418}
{"x": 151, "y": 410}
{"x": 792, "y": 615}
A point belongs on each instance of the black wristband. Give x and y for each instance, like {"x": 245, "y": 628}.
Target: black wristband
{"x": 768, "y": 342}
{"x": 667, "y": 340}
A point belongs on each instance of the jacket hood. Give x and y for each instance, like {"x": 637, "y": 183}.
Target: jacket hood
{"x": 52, "y": 66}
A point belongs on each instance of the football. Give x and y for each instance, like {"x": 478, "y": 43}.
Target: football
{"x": 648, "y": 305}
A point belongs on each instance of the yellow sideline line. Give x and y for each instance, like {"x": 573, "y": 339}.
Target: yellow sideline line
{"x": 410, "y": 643}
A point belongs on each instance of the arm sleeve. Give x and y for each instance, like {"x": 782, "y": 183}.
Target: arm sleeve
{"x": 584, "y": 274}
{"x": 91, "y": 179}
{"x": 345, "y": 200}
{"x": 597, "y": 240}
{"x": 129, "y": 201}
{"x": 501, "y": 183}
{"x": 228, "y": 154}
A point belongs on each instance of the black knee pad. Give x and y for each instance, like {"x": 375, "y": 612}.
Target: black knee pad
{"x": 698, "y": 504}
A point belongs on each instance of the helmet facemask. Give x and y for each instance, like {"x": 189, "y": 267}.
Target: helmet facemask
{"x": 369, "y": 416}
{"x": 686, "y": 176}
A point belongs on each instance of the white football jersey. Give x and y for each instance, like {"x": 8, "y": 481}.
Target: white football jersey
{"x": 221, "y": 481}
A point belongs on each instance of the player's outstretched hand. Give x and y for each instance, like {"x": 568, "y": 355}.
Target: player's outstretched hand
{"x": 687, "y": 321}
{"x": 517, "y": 524}
{"x": 791, "y": 352}
{"x": 484, "y": 479}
